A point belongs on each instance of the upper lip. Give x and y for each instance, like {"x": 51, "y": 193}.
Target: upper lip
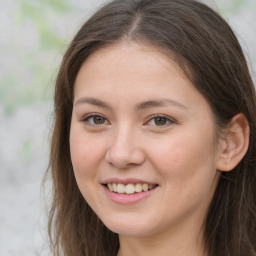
{"x": 127, "y": 181}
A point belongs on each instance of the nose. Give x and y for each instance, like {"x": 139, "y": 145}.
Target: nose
{"x": 124, "y": 150}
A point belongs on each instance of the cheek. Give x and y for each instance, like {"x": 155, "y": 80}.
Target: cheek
{"x": 182, "y": 157}
{"x": 84, "y": 154}
{"x": 79, "y": 154}
{"x": 188, "y": 173}
{"x": 86, "y": 158}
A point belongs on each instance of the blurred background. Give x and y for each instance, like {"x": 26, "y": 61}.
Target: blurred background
{"x": 34, "y": 35}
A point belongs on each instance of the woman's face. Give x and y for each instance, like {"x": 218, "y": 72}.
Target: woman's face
{"x": 138, "y": 124}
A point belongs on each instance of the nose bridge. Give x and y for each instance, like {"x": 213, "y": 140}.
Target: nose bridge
{"x": 124, "y": 148}
{"x": 122, "y": 134}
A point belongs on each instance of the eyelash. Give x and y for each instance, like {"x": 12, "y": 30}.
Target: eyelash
{"x": 167, "y": 120}
{"x": 87, "y": 118}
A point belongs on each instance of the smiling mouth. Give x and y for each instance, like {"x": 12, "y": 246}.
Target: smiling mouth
{"x": 129, "y": 189}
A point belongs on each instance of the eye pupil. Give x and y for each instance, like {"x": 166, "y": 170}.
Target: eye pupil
{"x": 98, "y": 120}
{"x": 160, "y": 121}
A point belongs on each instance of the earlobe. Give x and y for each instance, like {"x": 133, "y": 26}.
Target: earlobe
{"x": 235, "y": 144}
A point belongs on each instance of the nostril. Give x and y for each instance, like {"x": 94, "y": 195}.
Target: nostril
{"x": 124, "y": 157}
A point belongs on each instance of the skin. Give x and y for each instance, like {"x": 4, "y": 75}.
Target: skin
{"x": 180, "y": 154}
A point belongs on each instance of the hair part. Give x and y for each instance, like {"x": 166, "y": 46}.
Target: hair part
{"x": 208, "y": 52}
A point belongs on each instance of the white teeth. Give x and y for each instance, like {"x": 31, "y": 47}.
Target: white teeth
{"x": 145, "y": 187}
{"x": 138, "y": 188}
{"x": 121, "y": 188}
{"x": 129, "y": 188}
{"x": 110, "y": 186}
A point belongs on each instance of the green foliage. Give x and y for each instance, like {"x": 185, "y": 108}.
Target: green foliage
{"x": 233, "y": 6}
{"x": 40, "y": 12}
{"x": 36, "y": 57}
{"x": 26, "y": 151}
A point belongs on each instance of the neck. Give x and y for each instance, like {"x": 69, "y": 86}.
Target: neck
{"x": 175, "y": 243}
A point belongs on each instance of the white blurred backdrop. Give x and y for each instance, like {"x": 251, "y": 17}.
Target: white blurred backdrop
{"x": 33, "y": 37}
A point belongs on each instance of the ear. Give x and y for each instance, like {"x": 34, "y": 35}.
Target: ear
{"x": 235, "y": 143}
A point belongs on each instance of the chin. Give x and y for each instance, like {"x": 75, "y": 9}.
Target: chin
{"x": 129, "y": 227}
{"x": 130, "y": 231}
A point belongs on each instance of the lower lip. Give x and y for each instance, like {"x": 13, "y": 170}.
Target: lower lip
{"x": 126, "y": 199}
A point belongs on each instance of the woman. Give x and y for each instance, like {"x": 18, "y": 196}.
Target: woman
{"x": 153, "y": 148}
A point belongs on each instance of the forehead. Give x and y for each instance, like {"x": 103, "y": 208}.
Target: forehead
{"x": 127, "y": 61}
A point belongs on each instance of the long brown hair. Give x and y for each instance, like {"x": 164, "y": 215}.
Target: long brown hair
{"x": 207, "y": 50}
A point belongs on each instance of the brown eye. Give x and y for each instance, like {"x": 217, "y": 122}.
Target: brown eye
{"x": 160, "y": 121}
{"x": 95, "y": 120}
{"x": 98, "y": 120}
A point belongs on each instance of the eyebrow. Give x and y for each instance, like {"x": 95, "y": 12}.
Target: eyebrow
{"x": 140, "y": 106}
{"x": 93, "y": 101}
{"x": 159, "y": 103}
